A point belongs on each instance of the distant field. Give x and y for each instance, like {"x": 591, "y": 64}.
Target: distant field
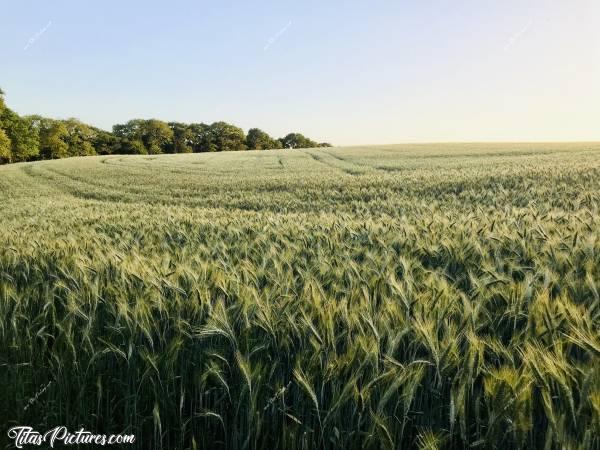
{"x": 426, "y": 296}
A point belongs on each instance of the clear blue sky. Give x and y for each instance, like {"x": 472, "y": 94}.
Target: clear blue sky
{"x": 349, "y": 72}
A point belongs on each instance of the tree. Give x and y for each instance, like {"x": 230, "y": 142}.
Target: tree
{"x": 131, "y": 130}
{"x": 227, "y": 137}
{"x": 5, "y": 148}
{"x": 325, "y": 144}
{"x": 5, "y": 144}
{"x": 297, "y": 140}
{"x": 105, "y": 143}
{"x": 156, "y": 136}
{"x": 23, "y": 135}
{"x": 80, "y": 138}
{"x": 201, "y": 138}
{"x": 259, "y": 140}
{"x": 42, "y": 125}
{"x": 53, "y": 141}
{"x": 182, "y": 138}
{"x": 130, "y": 147}
{"x": 129, "y": 138}
{"x": 140, "y": 136}
{"x": 34, "y": 137}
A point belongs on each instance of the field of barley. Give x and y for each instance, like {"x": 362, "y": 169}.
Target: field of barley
{"x": 413, "y": 296}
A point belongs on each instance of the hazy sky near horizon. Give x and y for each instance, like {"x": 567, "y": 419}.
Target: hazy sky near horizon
{"x": 347, "y": 72}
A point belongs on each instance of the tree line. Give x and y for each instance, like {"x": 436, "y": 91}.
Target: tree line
{"x": 31, "y": 138}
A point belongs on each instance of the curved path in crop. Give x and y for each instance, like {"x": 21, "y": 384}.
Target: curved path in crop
{"x": 413, "y": 296}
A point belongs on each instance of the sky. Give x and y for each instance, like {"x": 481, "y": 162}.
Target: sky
{"x": 347, "y": 72}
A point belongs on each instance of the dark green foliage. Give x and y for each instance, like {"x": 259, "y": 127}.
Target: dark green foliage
{"x": 5, "y": 147}
{"x": 297, "y": 140}
{"x": 105, "y": 143}
{"x": 130, "y": 147}
{"x": 130, "y": 137}
{"x": 35, "y": 137}
{"x": 80, "y": 138}
{"x": 54, "y": 141}
{"x": 226, "y": 137}
{"x": 23, "y": 135}
{"x": 5, "y": 144}
{"x": 200, "y": 138}
{"x": 259, "y": 140}
{"x": 182, "y": 138}
{"x": 140, "y": 136}
{"x": 157, "y": 136}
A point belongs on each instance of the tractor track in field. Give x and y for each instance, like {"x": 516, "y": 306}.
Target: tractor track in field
{"x": 362, "y": 168}
{"x": 319, "y": 158}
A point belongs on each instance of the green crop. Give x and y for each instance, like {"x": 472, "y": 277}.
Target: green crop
{"x": 424, "y": 296}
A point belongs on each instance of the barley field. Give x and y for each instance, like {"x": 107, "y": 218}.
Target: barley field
{"x": 414, "y": 296}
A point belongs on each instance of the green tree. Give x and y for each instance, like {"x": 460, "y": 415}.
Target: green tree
{"x": 130, "y": 147}
{"x": 227, "y": 137}
{"x": 182, "y": 138}
{"x": 297, "y": 140}
{"x": 80, "y": 138}
{"x": 156, "y": 136}
{"x": 140, "y": 136}
{"x": 129, "y": 138}
{"x": 53, "y": 141}
{"x": 201, "y": 138}
{"x": 42, "y": 125}
{"x": 105, "y": 143}
{"x": 131, "y": 130}
{"x": 23, "y": 135}
{"x": 5, "y": 144}
{"x": 259, "y": 140}
{"x": 31, "y": 137}
{"x": 5, "y": 148}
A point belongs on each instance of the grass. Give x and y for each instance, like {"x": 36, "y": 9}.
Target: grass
{"x": 424, "y": 296}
